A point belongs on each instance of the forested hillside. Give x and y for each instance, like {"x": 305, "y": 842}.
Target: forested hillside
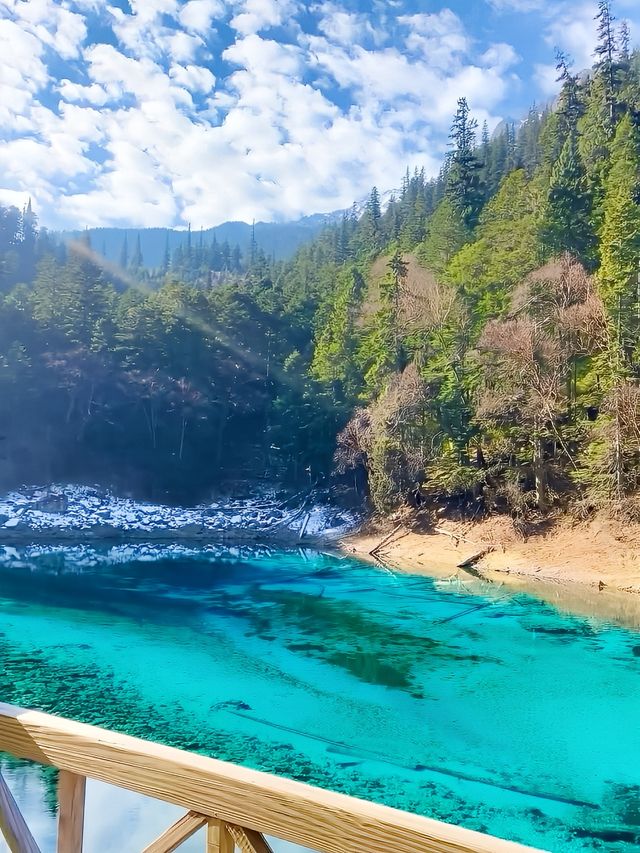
{"x": 476, "y": 341}
{"x": 158, "y": 246}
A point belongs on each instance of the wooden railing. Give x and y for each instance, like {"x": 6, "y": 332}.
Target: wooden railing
{"x": 236, "y": 805}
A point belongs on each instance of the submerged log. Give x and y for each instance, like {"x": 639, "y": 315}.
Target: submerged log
{"x": 375, "y": 551}
{"x": 469, "y": 565}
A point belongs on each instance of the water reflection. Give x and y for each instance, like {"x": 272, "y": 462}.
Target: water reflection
{"x": 116, "y": 821}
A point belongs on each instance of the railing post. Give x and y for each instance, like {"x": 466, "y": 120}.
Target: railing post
{"x": 12, "y": 825}
{"x": 219, "y": 838}
{"x": 71, "y": 792}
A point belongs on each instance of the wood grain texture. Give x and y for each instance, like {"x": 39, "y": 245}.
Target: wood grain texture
{"x": 12, "y": 825}
{"x": 320, "y": 820}
{"x": 248, "y": 840}
{"x": 178, "y": 832}
{"x": 71, "y": 793}
{"x": 219, "y": 838}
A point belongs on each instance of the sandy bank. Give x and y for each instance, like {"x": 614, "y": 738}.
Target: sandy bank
{"x": 591, "y": 568}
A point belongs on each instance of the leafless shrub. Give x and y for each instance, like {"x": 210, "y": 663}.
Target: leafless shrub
{"x": 623, "y": 404}
{"x": 524, "y": 368}
{"x": 354, "y": 442}
{"x": 380, "y": 438}
{"x": 562, "y": 296}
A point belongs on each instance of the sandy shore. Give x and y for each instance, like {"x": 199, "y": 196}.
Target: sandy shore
{"x": 590, "y": 568}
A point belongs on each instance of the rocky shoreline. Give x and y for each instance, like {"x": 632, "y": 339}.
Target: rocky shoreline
{"x": 79, "y": 514}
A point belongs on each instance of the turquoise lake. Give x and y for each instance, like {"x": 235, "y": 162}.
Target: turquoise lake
{"x": 490, "y": 710}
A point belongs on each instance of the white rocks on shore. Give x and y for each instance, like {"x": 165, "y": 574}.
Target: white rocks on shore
{"x": 80, "y": 508}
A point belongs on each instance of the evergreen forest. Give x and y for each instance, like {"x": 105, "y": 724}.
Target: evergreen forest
{"x": 476, "y": 341}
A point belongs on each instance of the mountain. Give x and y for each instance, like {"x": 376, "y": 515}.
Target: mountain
{"x": 277, "y": 239}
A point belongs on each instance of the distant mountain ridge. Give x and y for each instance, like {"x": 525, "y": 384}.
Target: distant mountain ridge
{"x": 277, "y": 239}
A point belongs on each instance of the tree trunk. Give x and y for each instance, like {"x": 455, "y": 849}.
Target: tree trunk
{"x": 540, "y": 473}
{"x": 182, "y": 432}
{"x": 618, "y": 457}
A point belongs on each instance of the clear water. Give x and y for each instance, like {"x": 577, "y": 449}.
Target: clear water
{"x": 492, "y": 711}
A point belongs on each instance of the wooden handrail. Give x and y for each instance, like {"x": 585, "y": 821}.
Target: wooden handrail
{"x": 233, "y": 799}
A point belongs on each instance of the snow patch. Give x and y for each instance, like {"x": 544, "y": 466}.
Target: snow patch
{"x": 84, "y": 508}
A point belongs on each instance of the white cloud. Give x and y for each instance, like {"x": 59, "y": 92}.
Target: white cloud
{"x": 546, "y": 76}
{"x": 193, "y": 77}
{"x": 500, "y": 56}
{"x": 346, "y": 28}
{"x": 148, "y": 11}
{"x": 181, "y": 46}
{"x": 140, "y": 78}
{"x": 131, "y": 189}
{"x": 144, "y": 34}
{"x": 440, "y": 38}
{"x": 23, "y": 74}
{"x": 52, "y": 23}
{"x": 77, "y": 92}
{"x": 384, "y": 79}
{"x": 14, "y": 198}
{"x": 257, "y": 54}
{"x": 573, "y": 29}
{"x": 39, "y": 161}
{"x": 255, "y": 15}
{"x": 197, "y": 15}
{"x": 519, "y": 5}
{"x": 279, "y": 130}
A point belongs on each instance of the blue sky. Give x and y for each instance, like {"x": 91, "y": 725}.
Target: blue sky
{"x": 164, "y": 112}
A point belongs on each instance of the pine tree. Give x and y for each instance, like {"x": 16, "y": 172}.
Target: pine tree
{"x": 594, "y": 129}
{"x": 48, "y": 308}
{"x": 512, "y": 148}
{"x": 485, "y": 137}
{"x": 567, "y": 225}
{"x": 28, "y": 244}
{"x": 570, "y": 107}
{"x": 624, "y": 43}
{"x": 496, "y": 167}
{"x": 137, "y": 261}
{"x": 373, "y": 217}
{"x": 333, "y": 363}
{"x": 253, "y": 248}
{"x": 391, "y": 292}
{"x": 528, "y": 142}
{"x": 124, "y": 253}
{"x": 620, "y": 236}
{"x": 29, "y": 227}
{"x": 199, "y": 256}
{"x": 463, "y": 187}
{"x": 605, "y": 54}
{"x": 166, "y": 257}
{"x": 342, "y": 247}
{"x": 177, "y": 262}
{"x": 226, "y": 255}
{"x": 446, "y": 234}
{"x": 505, "y": 249}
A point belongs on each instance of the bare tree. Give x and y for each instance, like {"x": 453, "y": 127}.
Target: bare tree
{"x": 529, "y": 361}
{"x": 382, "y": 439}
